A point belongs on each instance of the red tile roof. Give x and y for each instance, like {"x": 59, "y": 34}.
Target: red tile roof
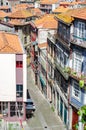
{"x": 22, "y": 6}
{"x": 48, "y": 2}
{"x": 2, "y": 14}
{"x": 47, "y": 21}
{"x": 17, "y": 22}
{"x": 20, "y": 14}
{"x": 81, "y": 14}
{"x": 10, "y": 43}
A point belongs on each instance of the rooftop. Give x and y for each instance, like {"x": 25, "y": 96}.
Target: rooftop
{"x": 48, "y": 2}
{"x": 67, "y": 16}
{"x": 20, "y": 14}
{"x": 47, "y": 21}
{"x": 3, "y": 14}
{"x": 81, "y": 13}
{"x": 61, "y": 9}
{"x": 10, "y": 43}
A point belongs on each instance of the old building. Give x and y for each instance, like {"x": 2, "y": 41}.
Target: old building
{"x": 47, "y": 6}
{"x": 13, "y": 90}
{"x": 41, "y": 28}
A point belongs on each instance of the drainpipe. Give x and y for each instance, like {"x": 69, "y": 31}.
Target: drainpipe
{"x": 69, "y": 124}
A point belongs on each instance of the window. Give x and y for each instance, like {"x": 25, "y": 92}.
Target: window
{"x": 19, "y": 64}
{"x": 81, "y": 29}
{"x": 20, "y": 108}
{"x": 5, "y": 108}
{"x": 12, "y": 109}
{"x": 64, "y": 32}
{"x": 16, "y": 29}
{"x": 77, "y": 63}
{"x": 19, "y": 91}
{"x": 76, "y": 91}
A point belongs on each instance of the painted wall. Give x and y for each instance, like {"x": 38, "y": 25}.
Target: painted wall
{"x": 24, "y": 78}
{"x": 6, "y": 28}
{"x": 7, "y": 77}
{"x": 43, "y": 34}
{"x": 19, "y": 76}
{"x": 54, "y": 6}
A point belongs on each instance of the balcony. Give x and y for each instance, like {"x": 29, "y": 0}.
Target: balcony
{"x": 75, "y": 75}
{"x": 65, "y": 42}
{"x": 80, "y": 41}
{"x": 61, "y": 69}
{"x": 51, "y": 38}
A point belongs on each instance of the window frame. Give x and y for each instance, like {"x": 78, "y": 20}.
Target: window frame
{"x": 19, "y": 64}
{"x": 75, "y": 61}
{"x": 19, "y": 91}
{"x": 78, "y": 97}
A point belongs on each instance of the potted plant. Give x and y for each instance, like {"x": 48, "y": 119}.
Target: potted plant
{"x": 81, "y": 83}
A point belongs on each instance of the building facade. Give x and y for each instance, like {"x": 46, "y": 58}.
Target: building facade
{"x": 13, "y": 90}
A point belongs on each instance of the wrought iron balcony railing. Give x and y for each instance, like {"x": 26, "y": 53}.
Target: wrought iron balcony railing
{"x": 61, "y": 69}
{"x": 51, "y": 37}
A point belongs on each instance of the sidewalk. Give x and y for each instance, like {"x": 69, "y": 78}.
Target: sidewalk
{"x": 45, "y": 117}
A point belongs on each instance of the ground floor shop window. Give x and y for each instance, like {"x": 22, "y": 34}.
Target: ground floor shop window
{"x": 20, "y": 109}
{"x": 12, "y": 109}
{"x": 16, "y": 108}
{"x": 4, "y": 108}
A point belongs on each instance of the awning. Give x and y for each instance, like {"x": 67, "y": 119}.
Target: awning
{"x": 42, "y": 82}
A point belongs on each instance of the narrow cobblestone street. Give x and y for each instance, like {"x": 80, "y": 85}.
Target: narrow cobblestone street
{"x": 44, "y": 118}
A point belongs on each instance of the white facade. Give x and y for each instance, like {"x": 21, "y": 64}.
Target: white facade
{"x": 7, "y": 77}
{"x": 43, "y": 34}
{"x": 54, "y": 6}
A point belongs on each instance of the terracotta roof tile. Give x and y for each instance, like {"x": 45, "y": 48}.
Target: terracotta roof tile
{"x": 47, "y": 21}
{"x": 67, "y": 16}
{"x": 81, "y": 13}
{"x": 36, "y": 11}
{"x": 61, "y": 9}
{"x": 2, "y": 14}
{"x": 50, "y": 2}
{"x": 70, "y": 3}
{"x": 10, "y": 43}
{"x": 22, "y": 6}
{"x": 17, "y": 22}
{"x": 20, "y": 14}
{"x": 75, "y": 3}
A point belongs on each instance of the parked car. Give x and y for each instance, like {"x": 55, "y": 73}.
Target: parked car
{"x": 30, "y": 107}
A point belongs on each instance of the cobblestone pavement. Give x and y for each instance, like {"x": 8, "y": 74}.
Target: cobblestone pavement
{"x": 44, "y": 118}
